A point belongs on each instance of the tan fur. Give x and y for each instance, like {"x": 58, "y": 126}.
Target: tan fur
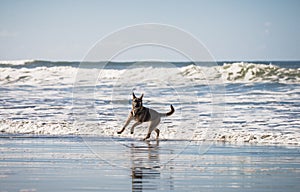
{"x": 142, "y": 114}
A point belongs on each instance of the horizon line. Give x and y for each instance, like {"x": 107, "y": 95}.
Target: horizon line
{"x": 154, "y": 60}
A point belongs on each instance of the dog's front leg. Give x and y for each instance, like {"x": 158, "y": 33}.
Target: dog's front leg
{"x": 130, "y": 117}
{"x": 133, "y": 126}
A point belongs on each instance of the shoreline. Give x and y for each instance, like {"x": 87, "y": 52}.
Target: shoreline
{"x": 221, "y": 140}
{"x": 101, "y": 164}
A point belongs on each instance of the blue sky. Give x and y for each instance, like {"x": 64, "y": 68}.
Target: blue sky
{"x": 231, "y": 30}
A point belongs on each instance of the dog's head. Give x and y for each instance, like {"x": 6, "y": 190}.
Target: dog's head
{"x": 137, "y": 102}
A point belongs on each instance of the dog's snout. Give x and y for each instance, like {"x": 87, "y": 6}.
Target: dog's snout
{"x": 136, "y": 103}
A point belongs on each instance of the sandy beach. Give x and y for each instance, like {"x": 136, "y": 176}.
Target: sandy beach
{"x": 41, "y": 163}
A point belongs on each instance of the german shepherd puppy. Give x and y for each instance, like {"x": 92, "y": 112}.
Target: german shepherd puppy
{"x": 143, "y": 114}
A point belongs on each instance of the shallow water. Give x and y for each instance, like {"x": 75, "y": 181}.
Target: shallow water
{"x": 107, "y": 164}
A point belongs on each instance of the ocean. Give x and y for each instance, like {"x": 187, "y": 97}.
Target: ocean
{"x": 236, "y": 102}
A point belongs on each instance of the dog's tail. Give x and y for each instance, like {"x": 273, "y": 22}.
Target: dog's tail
{"x": 169, "y": 113}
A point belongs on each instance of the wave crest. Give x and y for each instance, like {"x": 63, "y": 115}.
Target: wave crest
{"x": 251, "y": 72}
{"x": 238, "y": 72}
{"x": 243, "y": 73}
{"x": 16, "y": 62}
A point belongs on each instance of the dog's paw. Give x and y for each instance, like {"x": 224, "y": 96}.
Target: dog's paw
{"x": 119, "y": 132}
{"x": 131, "y": 132}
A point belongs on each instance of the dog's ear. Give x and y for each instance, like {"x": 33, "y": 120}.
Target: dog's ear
{"x": 133, "y": 95}
{"x": 141, "y": 97}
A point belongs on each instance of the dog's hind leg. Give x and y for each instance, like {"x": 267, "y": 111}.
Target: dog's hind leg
{"x": 157, "y": 133}
{"x": 133, "y": 126}
{"x": 152, "y": 126}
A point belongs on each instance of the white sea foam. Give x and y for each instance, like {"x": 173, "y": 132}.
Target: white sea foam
{"x": 250, "y": 72}
{"x": 228, "y": 73}
{"x": 39, "y": 76}
{"x": 243, "y": 73}
{"x": 38, "y": 100}
{"x": 37, "y": 127}
{"x": 263, "y": 134}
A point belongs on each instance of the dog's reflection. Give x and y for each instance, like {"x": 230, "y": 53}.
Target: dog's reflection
{"x": 145, "y": 166}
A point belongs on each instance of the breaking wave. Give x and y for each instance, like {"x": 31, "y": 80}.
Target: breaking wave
{"x": 36, "y": 63}
{"x": 244, "y": 73}
{"x": 238, "y": 72}
{"x": 251, "y": 72}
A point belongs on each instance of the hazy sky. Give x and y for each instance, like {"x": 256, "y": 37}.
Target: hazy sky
{"x": 230, "y": 29}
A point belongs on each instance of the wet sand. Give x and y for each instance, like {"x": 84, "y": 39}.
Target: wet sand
{"x": 105, "y": 164}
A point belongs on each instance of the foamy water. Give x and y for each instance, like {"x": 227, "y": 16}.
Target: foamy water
{"x": 234, "y": 102}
